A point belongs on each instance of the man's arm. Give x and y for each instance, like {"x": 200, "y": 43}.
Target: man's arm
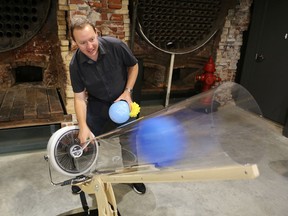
{"x": 81, "y": 113}
{"x": 132, "y": 76}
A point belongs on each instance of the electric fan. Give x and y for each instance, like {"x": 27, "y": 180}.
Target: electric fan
{"x": 67, "y": 155}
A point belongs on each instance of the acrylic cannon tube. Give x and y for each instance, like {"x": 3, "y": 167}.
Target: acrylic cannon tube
{"x": 217, "y": 128}
{"x": 215, "y": 135}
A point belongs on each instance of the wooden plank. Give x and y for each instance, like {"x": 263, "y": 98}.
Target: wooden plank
{"x": 7, "y": 106}
{"x": 17, "y": 111}
{"x": 2, "y": 95}
{"x": 54, "y": 102}
{"x": 232, "y": 172}
{"x": 42, "y": 104}
{"x": 30, "y": 110}
{"x": 35, "y": 122}
{"x": 36, "y": 106}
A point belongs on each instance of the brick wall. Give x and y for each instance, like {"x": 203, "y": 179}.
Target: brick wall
{"x": 228, "y": 52}
{"x": 112, "y": 18}
{"x": 42, "y": 50}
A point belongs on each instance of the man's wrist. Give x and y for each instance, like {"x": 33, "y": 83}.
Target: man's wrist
{"x": 130, "y": 90}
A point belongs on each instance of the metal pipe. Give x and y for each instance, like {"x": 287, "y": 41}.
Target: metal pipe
{"x": 169, "y": 79}
{"x": 134, "y": 16}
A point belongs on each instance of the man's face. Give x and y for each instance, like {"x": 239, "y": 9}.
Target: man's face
{"x": 87, "y": 41}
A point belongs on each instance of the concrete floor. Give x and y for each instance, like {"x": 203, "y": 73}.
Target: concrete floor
{"x": 25, "y": 189}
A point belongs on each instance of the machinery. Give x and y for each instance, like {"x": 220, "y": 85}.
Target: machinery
{"x": 211, "y": 136}
{"x": 171, "y": 28}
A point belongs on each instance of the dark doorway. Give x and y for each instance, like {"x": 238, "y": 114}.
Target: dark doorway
{"x": 265, "y": 67}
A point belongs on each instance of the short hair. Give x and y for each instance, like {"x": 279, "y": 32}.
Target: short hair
{"x": 80, "y": 22}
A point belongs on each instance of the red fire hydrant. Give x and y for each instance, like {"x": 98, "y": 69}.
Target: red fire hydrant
{"x": 208, "y": 77}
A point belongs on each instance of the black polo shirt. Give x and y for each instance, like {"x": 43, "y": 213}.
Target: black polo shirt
{"x": 106, "y": 78}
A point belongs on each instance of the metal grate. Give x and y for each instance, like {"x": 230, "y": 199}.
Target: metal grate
{"x": 20, "y": 20}
{"x": 179, "y": 26}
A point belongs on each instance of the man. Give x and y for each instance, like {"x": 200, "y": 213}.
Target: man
{"x": 106, "y": 70}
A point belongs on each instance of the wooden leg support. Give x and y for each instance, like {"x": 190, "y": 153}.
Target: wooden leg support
{"x": 104, "y": 194}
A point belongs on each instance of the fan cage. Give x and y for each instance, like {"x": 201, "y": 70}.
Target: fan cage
{"x": 59, "y": 148}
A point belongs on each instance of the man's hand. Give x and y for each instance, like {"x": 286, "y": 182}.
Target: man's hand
{"x": 125, "y": 96}
{"x": 84, "y": 135}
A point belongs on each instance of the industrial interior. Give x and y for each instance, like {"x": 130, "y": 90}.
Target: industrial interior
{"x": 204, "y": 63}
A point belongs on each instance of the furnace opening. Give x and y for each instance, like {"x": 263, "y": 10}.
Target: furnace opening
{"x": 23, "y": 74}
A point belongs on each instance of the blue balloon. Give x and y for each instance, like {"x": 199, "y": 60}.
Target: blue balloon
{"x": 119, "y": 112}
{"x": 160, "y": 140}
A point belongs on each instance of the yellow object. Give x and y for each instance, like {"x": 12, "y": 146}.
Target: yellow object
{"x": 135, "y": 109}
